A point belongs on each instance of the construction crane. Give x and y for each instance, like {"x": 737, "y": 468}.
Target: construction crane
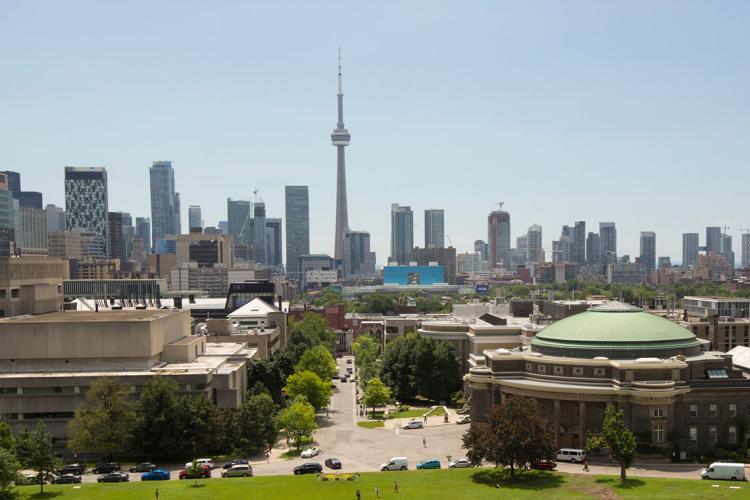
{"x": 725, "y": 229}
{"x": 449, "y": 240}
{"x": 500, "y": 205}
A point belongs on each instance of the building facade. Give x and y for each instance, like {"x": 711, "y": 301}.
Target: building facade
{"x": 434, "y": 228}
{"x": 33, "y": 238}
{"x": 498, "y": 234}
{"x": 87, "y": 203}
{"x": 359, "y": 261}
{"x": 164, "y": 213}
{"x": 297, "y": 204}
{"x": 444, "y": 257}
{"x": 648, "y": 250}
{"x": 195, "y": 217}
{"x": 402, "y": 233}
{"x": 690, "y": 247}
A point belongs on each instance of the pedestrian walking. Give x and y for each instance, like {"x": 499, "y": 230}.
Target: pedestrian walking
{"x": 157, "y": 493}
{"x": 377, "y": 491}
{"x": 358, "y": 494}
{"x": 395, "y": 487}
{"x": 424, "y": 442}
{"x": 585, "y": 465}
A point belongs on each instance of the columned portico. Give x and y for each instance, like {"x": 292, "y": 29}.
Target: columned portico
{"x": 556, "y": 423}
{"x": 582, "y": 424}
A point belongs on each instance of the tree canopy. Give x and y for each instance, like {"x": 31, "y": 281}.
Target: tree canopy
{"x": 515, "y": 436}
{"x": 159, "y": 412}
{"x": 617, "y": 436}
{"x": 36, "y": 451}
{"x": 103, "y": 423}
{"x": 257, "y": 428}
{"x": 315, "y": 390}
{"x": 9, "y": 468}
{"x": 377, "y": 393}
{"x": 298, "y": 420}
{"x": 318, "y": 360}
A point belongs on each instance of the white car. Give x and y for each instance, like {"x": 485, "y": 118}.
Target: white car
{"x": 460, "y": 463}
{"x": 464, "y": 419}
{"x": 414, "y": 424}
{"x": 201, "y": 462}
{"x": 310, "y": 452}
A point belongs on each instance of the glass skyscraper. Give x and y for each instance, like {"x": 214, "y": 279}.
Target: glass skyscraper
{"x": 86, "y": 204}
{"x": 402, "y": 233}
{"x": 648, "y": 250}
{"x": 297, "y": 203}
{"x": 164, "y": 213}
{"x": 434, "y": 228}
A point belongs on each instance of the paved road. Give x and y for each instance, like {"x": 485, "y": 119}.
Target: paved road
{"x": 363, "y": 450}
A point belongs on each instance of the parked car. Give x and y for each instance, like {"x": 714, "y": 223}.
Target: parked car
{"x": 333, "y": 463}
{"x": 464, "y": 419}
{"x": 460, "y": 463}
{"x": 544, "y": 465}
{"x": 201, "y": 471}
{"x": 310, "y": 452}
{"x": 463, "y": 411}
{"x": 113, "y": 477}
{"x": 32, "y": 479}
{"x": 396, "y": 463}
{"x": 573, "y": 455}
{"x": 414, "y": 424}
{"x": 76, "y": 469}
{"x": 106, "y": 468}
{"x": 67, "y": 479}
{"x": 724, "y": 470}
{"x": 202, "y": 461}
{"x": 156, "y": 475}
{"x": 344, "y": 379}
{"x": 240, "y": 470}
{"x": 430, "y": 463}
{"x": 237, "y": 461}
{"x": 144, "y": 467}
{"x": 308, "y": 468}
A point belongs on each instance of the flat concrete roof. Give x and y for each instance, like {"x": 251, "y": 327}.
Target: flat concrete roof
{"x": 88, "y": 316}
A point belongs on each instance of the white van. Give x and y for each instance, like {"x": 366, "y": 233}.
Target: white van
{"x": 724, "y": 470}
{"x": 570, "y": 455}
{"x": 396, "y": 463}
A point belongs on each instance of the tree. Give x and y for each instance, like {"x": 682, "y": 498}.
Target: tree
{"x": 617, "y": 436}
{"x": 158, "y": 428}
{"x": 377, "y": 304}
{"x": 313, "y": 327}
{"x": 38, "y": 452}
{"x": 377, "y": 393}
{"x": 9, "y": 468}
{"x": 316, "y": 390}
{"x": 444, "y": 374}
{"x": 6, "y": 438}
{"x": 256, "y": 424}
{"x": 366, "y": 353}
{"x": 318, "y": 360}
{"x": 298, "y": 420}
{"x": 398, "y": 367}
{"x": 516, "y": 435}
{"x": 200, "y": 423}
{"x": 104, "y": 421}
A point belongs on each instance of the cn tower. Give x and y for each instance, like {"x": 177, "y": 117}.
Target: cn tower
{"x": 340, "y": 138}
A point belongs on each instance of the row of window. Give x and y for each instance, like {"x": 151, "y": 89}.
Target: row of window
{"x": 38, "y": 415}
{"x": 713, "y": 434}
{"x": 713, "y": 410}
{"x": 558, "y": 370}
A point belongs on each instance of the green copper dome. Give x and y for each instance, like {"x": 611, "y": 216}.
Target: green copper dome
{"x": 617, "y": 331}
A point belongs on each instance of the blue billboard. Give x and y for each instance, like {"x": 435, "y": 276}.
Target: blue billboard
{"x": 413, "y": 275}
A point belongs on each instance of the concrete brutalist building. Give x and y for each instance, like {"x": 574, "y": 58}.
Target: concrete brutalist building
{"x": 48, "y": 361}
{"x": 675, "y": 394}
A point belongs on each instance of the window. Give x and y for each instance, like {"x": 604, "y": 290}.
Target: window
{"x": 629, "y": 375}
{"x": 732, "y": 437}
{"x": 657, "y": 433}
{"x": 577, "y": 371}
{"x": 713, "y": 436}
{"x": 693, "y": 410}
{"x": 2, "y": 293}
{"x": 542, "y": 368}
{"x": 8, "y": 390}
{"x": 598, "y": 372}
{"x": 732, "y": 410}
{"x": 658, "y": 413}
{"x": 15, "y": 293}
{"x": 712, "y": 410}
{"x": 529, "y": 367}
{"x": 558, "y": 370}
{"x": 693, "y": 435}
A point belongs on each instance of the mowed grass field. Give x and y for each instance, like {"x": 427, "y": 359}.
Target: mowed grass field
{"x": 474, "y": 484}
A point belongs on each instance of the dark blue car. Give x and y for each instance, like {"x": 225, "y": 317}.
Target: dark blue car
{"x": 156, "y": 475}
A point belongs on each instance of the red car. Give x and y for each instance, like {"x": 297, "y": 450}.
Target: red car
{"x": 203, "y": 471}
{"x": 544, "y": 465}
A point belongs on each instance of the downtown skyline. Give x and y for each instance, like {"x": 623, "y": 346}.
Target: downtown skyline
{"x": 639, "y": 169}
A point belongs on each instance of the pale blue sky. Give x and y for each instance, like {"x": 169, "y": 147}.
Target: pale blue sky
{"x": 636, "y": 112}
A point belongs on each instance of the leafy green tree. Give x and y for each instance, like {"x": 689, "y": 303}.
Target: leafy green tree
{"x": 9, "y": 468}
{"x": 316, "y": 390}
{"x": 314, "y": 327}
{"x": 318, "y": 360}
{"x": 617, "y": 436}
{"x": 443, "y": 372}
{"x": 329, "y": 296}
{"x": 377, "y": 304}
{"x": 158, "y": 428}
{"x": 515, "y": 436}
{"x": 367, "y": 356}
{"x": 7, "y": 442}
{"x": 257, "y": 428}
{"x": 200, "y": 423}
{"x": 377, "y": 393}
{"x": 398, "y": 367}
{"x": 103, "y": 423}
{"x": 38, "y": 452}
{"x": 298, "y": 420}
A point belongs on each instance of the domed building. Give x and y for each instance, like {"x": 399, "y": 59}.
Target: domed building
{"x": 674, "y": 392}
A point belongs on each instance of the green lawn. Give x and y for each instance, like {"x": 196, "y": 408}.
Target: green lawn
{"x": 371, "y": 425}
{"x": 474, "y": 484}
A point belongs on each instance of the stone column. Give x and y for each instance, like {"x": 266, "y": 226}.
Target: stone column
{"x": 582, "y": 424}
{"x": 556, "y": 423}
